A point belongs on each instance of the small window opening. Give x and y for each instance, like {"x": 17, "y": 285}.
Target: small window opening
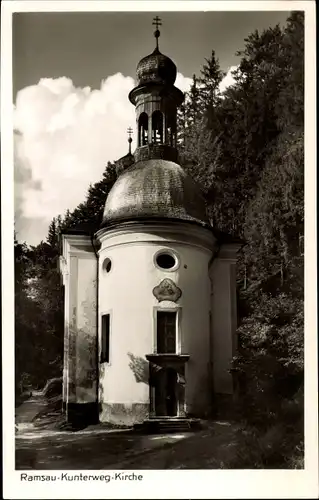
{"x": 143, "y": 130}
{"x": 105, "y": 347}
{"x": 166, "y": 332}
{"x": 107, "y": 265}
{"x": 171, "y": 132}
{"x": 157, "y": 127}
{"x": 165, "y": 260}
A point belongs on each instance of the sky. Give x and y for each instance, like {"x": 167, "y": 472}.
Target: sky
{"x": 72, "y": 73}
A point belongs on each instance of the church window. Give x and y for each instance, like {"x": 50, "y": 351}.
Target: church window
{"x": 143, "y": 129}
{"x": 157, "y": 127}
{"x": 107, "y": 265}
{"x": 166, "y": 260}
{"x": 105, "y": 347}
{"x": 166, "y": 332}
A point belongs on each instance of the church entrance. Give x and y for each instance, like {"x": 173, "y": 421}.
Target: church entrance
{"x": 167, "y": 385}
{"x": 166, "y": 393}
{"x": 171, "y": 399}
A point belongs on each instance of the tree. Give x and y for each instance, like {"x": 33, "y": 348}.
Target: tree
{"x": 210, "y": 94}
{"x": 248, "y": 158}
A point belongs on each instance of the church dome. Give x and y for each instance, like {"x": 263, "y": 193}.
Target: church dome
{"x": 156, "y": 68}
{"x": 155, "y": 189}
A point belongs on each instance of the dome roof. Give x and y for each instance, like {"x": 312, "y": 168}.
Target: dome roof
{"x": 156, "y": 68}
{"x": 155, "y": 189}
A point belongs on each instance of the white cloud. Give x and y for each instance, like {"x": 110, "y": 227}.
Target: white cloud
{"x": 65, "y": 137}
{"x": 228, "y": 80}
{"x": 183, "y": 82}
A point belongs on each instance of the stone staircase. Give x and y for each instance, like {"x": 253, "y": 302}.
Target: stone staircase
{"x": 167, "y": 425}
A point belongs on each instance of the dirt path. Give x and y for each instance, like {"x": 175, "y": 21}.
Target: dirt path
{"x": 26, "y": 412}
{"x": 100, "y": 448}
{"x": 214, "y": 448}
{"x": 103, "y": 449}
{"x": 83, "y": 450}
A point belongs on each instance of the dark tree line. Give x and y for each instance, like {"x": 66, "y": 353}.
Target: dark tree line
{"x": 245, "y": 147}
{"x": 39, "y": 294}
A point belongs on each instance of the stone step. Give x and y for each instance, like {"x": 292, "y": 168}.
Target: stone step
{"x": 168, "y": 425}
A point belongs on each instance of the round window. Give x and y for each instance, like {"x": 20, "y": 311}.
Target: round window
{"x": 166, "y": 260}
{"x": 107, "y": 265}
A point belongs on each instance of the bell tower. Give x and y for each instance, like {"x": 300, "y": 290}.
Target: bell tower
{"x": 156, "y": 100}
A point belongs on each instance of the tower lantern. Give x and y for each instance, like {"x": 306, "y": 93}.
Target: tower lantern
{"x": 156, "y": 100}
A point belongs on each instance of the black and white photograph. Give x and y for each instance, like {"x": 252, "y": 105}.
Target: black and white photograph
{"x": 159, "y": 242}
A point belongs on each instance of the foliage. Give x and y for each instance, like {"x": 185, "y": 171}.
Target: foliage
{"x": 39, "y": 297}
{"x": 38, "y": 316}
{"x": 247, "y": 153}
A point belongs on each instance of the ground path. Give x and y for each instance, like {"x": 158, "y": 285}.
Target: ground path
{"x": 98, "y": 448}
{"x": 103, "y": 449}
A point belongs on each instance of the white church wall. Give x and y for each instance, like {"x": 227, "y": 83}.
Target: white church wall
{"x": 80, "y": 361}
{"x": 224, "y": 317}
{"x": 195, "y": 284}
{"x": 126, "y": 292}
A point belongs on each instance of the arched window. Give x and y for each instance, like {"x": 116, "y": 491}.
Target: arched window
{"x": 157, "y": 127}
{"x": 143, "y": 129}
{"x": 171, "y": 131}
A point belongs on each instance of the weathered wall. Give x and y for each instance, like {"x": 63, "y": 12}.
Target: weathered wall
{"x": 126, "y": 293}
{"x": 86, "y": 345}
{"x": 224, "y": 317}
{"x": 80, "y": 350}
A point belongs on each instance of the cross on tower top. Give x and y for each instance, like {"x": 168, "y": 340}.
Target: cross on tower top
{"x": 157, "y": 22}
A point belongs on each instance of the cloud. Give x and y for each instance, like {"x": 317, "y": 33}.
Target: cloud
{"x": 183, "y": 82}
{"x": 64, "y": 138}
{"x": 228, "y": 80}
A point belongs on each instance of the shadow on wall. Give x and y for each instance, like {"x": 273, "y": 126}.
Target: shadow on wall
{"x": 140, "y": 368}
{"x": 82, "y": 377}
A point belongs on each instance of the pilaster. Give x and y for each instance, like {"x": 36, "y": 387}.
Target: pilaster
{"x": 79, "y": 268}
{"x": 223, "y": 317}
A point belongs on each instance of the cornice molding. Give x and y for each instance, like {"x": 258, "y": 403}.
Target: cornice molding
{"x": 170, "y": 232}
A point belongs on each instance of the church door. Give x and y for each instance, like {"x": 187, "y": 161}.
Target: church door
{"x": 166, "y": 393}
{"x": 170, "y": 393}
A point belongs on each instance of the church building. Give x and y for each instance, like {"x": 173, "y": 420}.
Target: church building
{"x": 150, "y": 298}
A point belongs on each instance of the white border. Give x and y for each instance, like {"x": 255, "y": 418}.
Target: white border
{"x": 170, "y": 483}
{"x": 155, "y": 5}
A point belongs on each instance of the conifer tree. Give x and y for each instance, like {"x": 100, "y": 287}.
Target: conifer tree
{"x": 210, "y": 80}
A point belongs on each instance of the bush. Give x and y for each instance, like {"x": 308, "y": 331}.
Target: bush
{"x": 277, "y": 448}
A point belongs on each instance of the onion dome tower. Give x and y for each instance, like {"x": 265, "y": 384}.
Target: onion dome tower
{"x": 155, "y": 186}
